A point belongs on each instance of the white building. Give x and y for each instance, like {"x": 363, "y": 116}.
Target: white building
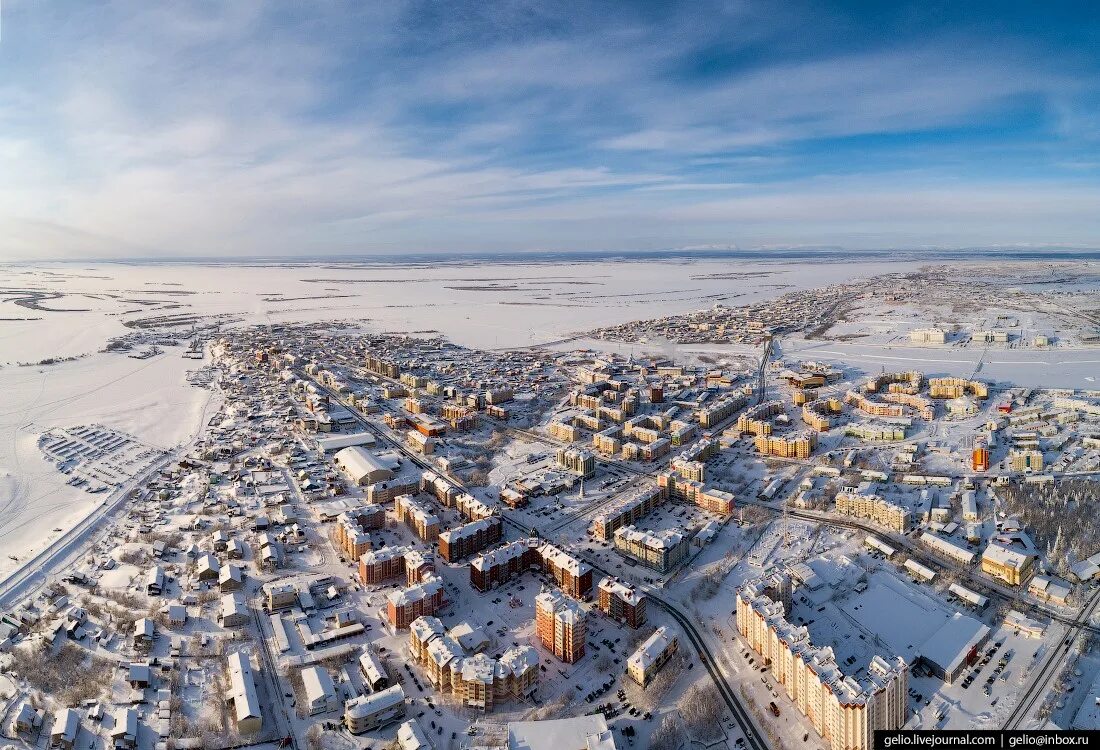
{"x": 320, "y": 691}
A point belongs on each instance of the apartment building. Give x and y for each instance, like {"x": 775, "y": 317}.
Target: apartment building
{"x": 477, "y": 681}
{"x": 1009, "y": 565}
{"x": 865, "y": 503}
{"x": 794, "y": 445}
{"x": 608, "y": 442}
{"x": 956, "y": 387}
{"x": 470, "y": 538}
{"x": 367, "y": 713}
{"x": 946, "y": 548}
{"x": 661, "y": 550}
{"x": 1026, "y": 460}
{"x": 621, "y": 602}
{"x": 563, "y": 431}
{"x": 924, "y": 408}
{"x": 560, "y": 624}
{"x": 718, "y": 412}
{"x": 382, "y": 564}
{"x": 472, "y": 508}
{"x": 417, "y": 516}
{"x": 874, "y": 408}
{"x": 644, "y": 664}
{"x": 928, "y": 336}
{"x": 626, "y": 512}
{"x": 895, "y": 382}
{"x": 674, "y": 486}
{"x": 577, "y": 460}
{"x": 819, "y": 413}
{"x": 350, "y": 537}
{"x": 439, "y": 488}
{"x": 755, "y": 420}
{"x": 844, "y": 711}
{"x": 424, "y": 598}
{"x": 499, "y": 565}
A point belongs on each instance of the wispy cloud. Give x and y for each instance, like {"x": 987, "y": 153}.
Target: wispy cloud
{"x": 130, "y": 128}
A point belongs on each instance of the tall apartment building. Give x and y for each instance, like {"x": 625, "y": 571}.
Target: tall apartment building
{"x": 577, "y": 460}
{"x": 922, "y": 406}
{"x": 382, "y": 564}
{"x": 928, "y": 336}
{"x": 755, "y": 420}
{"x": 382, "y": 367}
{"x": 439, "y": 487}
{"x": 864, "y": 503}
{"x": 477, "y": 681}
{"x": 844, "y": 711}
{"x": 792, "y": 445}
{"x": 661, "y": 550}
{"x": 351, "y": 531}
{"x": 896, "y": 382}
{"x": 956, "y": 387}
{"x": 563, "y": 431}
{"x": 499, "y": 565}
{"x": 470, "y": 538}
{"x": 424, "y": 598}
{"x": 1026, "y": 460}
{"x": 608, "y": 442}
{"x": 625, "y": 512}
{"x": 621, "y": 602}
{"x": 417, "y": 517}
{"x": 694, "y": 471}
{"x": 721, "y": 410}
{"x": 560, "y": 624}
{"x": 874, "y": 408}
{"x": 819, "y": 413}
{"x": 472, "y": 508}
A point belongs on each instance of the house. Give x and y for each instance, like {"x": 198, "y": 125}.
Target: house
{"x": 320, "y": 691}
{"x": 154, "y": 584}
{"x": 144, "y": 633}
{"x": 139, "y": 675}
{"x": 221, "y": 540}
{"x": 66, "y": 726}
{"x": 124, "y": 731}
{"x": 234, "y": 612}
{"x": 231, "y": 578}
{"x": 27, "y": 719}
{"x": 177, "y": 614}
{"x": 235, "y": 549}
{"x": 208, "y": 567}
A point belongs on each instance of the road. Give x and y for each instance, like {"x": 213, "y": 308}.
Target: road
{"x": 1038, "y": 687}
{"x": 63, "y": 553}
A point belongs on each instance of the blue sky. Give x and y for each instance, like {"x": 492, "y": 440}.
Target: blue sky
{"x": 134, "y": 129}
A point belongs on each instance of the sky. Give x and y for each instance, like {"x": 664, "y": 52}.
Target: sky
{"x": 131, "y": 129}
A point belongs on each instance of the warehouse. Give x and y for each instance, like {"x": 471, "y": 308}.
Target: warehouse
{"x": 953, "y": 647}
{"x": 362, "y": 466}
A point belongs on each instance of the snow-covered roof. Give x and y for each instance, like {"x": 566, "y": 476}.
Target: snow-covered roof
{"x": 579, "y": 733}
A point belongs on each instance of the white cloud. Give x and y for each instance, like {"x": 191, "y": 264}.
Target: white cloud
{"x": 148, "y": 129}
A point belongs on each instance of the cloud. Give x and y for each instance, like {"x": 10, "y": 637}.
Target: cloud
{"x": 131, "y": 128}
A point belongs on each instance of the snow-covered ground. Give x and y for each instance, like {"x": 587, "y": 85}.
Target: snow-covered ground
{"x": 484, "y": 305}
